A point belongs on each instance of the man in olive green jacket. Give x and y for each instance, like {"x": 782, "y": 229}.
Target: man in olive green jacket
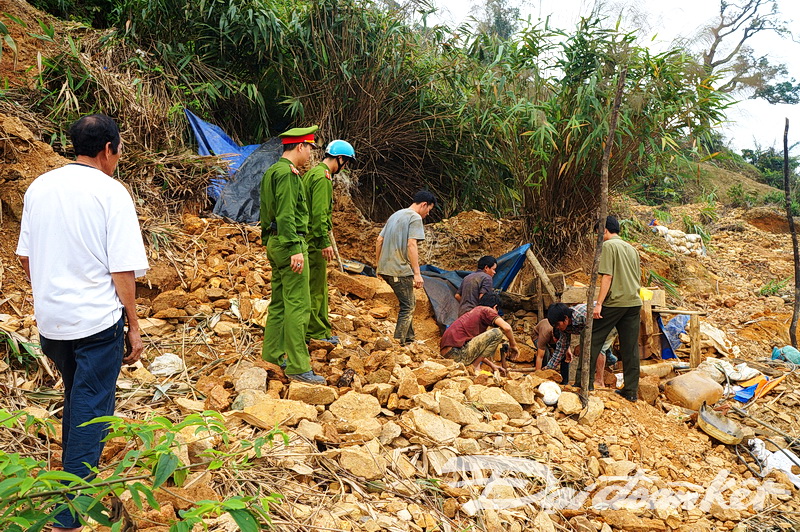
{"x": 318, "y": 184}
{"x": 284, "y": 222}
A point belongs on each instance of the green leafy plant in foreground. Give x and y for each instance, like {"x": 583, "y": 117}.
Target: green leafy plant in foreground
{"x": 30, "y": 494}
{"x": 773, "y": 287}
{"x": 670, "y": 287}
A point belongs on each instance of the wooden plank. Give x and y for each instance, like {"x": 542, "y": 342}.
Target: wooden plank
{"x": 542, "y": 274}
{"x": 680, "y": 311}
{"x": 694, "y": 338}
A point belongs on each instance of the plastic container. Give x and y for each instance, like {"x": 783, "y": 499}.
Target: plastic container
{"x": 692, "y": 389}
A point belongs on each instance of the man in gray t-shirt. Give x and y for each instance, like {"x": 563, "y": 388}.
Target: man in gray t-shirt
{"x": 397, "y": 257}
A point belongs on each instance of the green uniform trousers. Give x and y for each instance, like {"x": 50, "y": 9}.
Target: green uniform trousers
{"x": 627, "y": 321}
{"x": 319, "y": 325}
{"x": 287, "y": 318}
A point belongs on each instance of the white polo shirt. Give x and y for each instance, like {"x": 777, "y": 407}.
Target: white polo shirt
{"x": 78, "y": 226}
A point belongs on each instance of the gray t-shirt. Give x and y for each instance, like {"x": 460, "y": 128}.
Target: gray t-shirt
{"x": 399, "y": 228}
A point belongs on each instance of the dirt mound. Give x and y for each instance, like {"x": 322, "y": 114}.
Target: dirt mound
{"x": 24, "y": 158}
{"x": 770, "y": 219}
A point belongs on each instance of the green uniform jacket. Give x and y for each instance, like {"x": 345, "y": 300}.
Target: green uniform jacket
{"x": 319, "y": 193}
{"x": 283, "y": 202}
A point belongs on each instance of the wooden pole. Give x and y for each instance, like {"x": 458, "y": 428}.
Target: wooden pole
{"x": 545, "y": 279}
{"x": 336, "y": 251}
{"x": 539, "y": 301}
{"x": 694, "y": 338}
{"x": 793, "y": 231}
{"x": 586, "y": 371}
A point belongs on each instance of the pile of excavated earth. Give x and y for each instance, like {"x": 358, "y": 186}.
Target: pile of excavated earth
{"x": 399, "y": 438}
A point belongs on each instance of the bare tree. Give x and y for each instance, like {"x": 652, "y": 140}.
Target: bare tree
{"x": 729, "y": 53}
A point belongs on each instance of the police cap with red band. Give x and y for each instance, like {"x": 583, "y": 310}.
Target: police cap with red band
{"x": 299, "y": 134}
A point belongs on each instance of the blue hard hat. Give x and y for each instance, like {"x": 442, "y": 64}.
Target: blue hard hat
{"x": 340, "y": 148}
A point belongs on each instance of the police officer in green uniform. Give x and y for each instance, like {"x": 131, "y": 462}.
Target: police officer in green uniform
{"x": 284, "y": 222}
{"x": 319, "y": 193}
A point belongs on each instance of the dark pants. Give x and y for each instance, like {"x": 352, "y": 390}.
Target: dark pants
{"x": 627, "y": 321}
{"x": 404, "y": 290}
{"x": 89, "y": 367}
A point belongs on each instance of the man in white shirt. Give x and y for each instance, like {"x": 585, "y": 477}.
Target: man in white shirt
{"x": 397, "y": 259}
{"x": 81, "y": 247}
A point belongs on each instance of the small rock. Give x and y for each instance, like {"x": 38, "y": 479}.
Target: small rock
{"x": 497, "y": 400}
{"x": 309, "y": 429}
{"x": 626, "y": 520}
{"x": 617, "y": 468}
{"x": 313, "y": 394}
{"x": 227, "y": 328}
{"x": 648, "y": 389}
{"x": 166, "y": 365}
{"x": 383, "y": 343}
{"x": 381, "y": 391}
{"x": 429, "y": 373}
{"x": 434, "y": 427}
{"x": 248, "y": 398}
{"x": 543, "y": 523}
{"x": 428, "y": 401}
{"x": 315, "y": 345}
{"x": 154, "y": 327}
{"x": 353, "y": 405}
{"x": 218, "y": 398}
{"x": 407, "y": 385}
{"x": 389, "y": 431}
{"x": 569, "y": 403}
{"x": 190, "y": 405}
{"x": 357, "y": 285}
{"x": 467, "y": 446}
{"x": 549, "y": 426}
{"x": 253, "y": 378}
{"x": 361, "y": 462}
{"x": 592, "y": 412}
{"x": 452, "y": 409}
{"x": 380, "y": 313}
{"x": 270, "y": 412}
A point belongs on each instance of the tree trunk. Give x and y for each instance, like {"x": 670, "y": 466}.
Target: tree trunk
{"x": 793, "y": 231}
{"x": 587, "y": 372}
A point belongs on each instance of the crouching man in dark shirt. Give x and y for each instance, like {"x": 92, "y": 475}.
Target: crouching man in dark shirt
{"x": 469, "y": 339}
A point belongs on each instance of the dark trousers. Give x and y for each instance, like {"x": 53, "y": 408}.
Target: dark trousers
{"x": 404, "y": 290}
{"x": 627, "y": 321}
{"x": 89, "y": 367}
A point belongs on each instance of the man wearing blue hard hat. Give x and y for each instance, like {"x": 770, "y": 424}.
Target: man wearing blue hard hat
{"x": 318, "y": 183}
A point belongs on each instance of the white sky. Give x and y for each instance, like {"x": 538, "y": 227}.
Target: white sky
{"x": 749, "y": 122}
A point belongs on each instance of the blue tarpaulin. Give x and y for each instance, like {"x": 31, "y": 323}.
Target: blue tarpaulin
{"x": 441, "y": 285}
{"x": 212, "y": 140}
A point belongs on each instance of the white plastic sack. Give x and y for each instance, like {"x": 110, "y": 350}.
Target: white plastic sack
{"x": 551, "y": 392}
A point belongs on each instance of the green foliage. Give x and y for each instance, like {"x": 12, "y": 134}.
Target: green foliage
{"x": 508, "y": 124}
{"x": 20, "y": 351}
{"x": 690, "y": 226}
{"x": 95, "y": 13}
{"x": 708, "y": 212}
{"x": 773, "y": 287}
{"x": 29, "y": 493}
{"x": 769, "y": 162}
{"x": 670, "y": 287}
{"x": 7, "y": 41}
{"x": 737, "y": 197}
{"x": 630, "y": 228}
{"x": 664, "y": 217}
